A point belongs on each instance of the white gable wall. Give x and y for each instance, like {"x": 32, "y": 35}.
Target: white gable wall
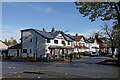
{"x": 3, "y": 46}
{"x": 60, "y": 38}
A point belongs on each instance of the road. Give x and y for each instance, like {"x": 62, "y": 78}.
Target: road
{"x": 75, "y": 68}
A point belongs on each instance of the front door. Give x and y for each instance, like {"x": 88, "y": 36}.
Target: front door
{"x": 17, "y": 52}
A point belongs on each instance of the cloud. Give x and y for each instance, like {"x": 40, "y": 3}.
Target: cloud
{"x": 48, "y": 10}
{"x": 86, "y": 34}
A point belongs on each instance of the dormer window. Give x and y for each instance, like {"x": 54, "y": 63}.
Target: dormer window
{"x": 30, "y": 40}
{"x": 48, "y": 40}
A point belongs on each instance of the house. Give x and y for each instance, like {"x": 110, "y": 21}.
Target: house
{"x": 80, "y": 44}
{"x": 37, "y": 43}
{"x": 14, "y": 51}
{"x": 3, "y": 48}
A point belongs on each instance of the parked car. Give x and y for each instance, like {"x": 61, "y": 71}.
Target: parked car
{"x": 94, "y": 53}
{"x": 86, "y": 54}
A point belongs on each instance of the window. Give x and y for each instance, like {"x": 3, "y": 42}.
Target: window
{"x": 24, "y": 50}
{"x": 48, "y": 40}
{"x": 30, "y": 40}
{"x": 56, "y": 41}
{"x": 30, "y": 50}
{"x": 68, "y": 43}
{"x": 63, "y": 42}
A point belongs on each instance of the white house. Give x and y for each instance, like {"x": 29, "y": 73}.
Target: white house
{"x": 37, "y": 43}
{"x": 3, "y": 48}
{"x": 82, "y": 45}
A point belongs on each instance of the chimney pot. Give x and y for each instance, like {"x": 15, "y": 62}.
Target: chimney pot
{"x": 44, "y": 30}
{"x": 76, "y": 34}
{"x": 53, "y": 30}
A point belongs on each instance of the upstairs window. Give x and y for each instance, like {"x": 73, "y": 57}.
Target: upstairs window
{"x": 48, "y": 40}
{"x": 63, "y": 42}
{"x": 30, "y": 40}
{"x": 68, "y": 43}
{"x": 56, "y": 41}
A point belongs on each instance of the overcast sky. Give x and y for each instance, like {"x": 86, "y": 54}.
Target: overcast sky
{"x": 63, "y": 16}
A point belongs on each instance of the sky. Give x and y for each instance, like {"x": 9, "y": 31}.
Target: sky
{"x": 62, "y": 16}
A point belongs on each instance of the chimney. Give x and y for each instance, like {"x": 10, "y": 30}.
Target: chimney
{"x": 76, "y": 34}
{"x": 68, "y": 34}
{"x": 53, "y": 30}
{"x": 44, "y": 30}
{"x": 96, "y": 36}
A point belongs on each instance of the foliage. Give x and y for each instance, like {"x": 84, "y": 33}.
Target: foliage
{"x": 5, "y": 41}
{"x": 116, "y": 35}
{"x": 12, "y": 41}
{"x": 104, "y": 10}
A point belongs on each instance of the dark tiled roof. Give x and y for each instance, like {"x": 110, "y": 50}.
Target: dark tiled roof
{"x": 18, "y": 46}
{"x": 70, "y": 36}
{"x": 49, "y": 35}
{"x": 67, "y": 38}
{"x": 54, "y": 34}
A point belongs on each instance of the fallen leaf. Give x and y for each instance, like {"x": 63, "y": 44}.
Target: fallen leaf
{"x": 38, "y": 77}
{"x": 65, "y": 73}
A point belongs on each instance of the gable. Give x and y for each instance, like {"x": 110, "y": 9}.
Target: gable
{"x": 3, "y": 45}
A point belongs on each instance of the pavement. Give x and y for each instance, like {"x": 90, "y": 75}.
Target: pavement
{"x": 79, "y": 68}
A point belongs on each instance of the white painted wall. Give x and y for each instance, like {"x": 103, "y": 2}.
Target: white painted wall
{"x": 89, "y": 45}
{"x": 3, "y": 46}
{"x": 60, "y": 38}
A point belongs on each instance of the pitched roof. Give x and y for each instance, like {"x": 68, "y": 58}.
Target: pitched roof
{"x": 49, "y": 35}
{"x": 70, "y": 36}
{"x": 17, "y": 46}
{"x": 4, "y": 42}
{"x": 91, "y": 40}
{"x": 78, "y": 38}
{"x": 67, "y": 38}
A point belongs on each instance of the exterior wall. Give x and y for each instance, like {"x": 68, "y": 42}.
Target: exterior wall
{"x": 60, "y": 38}
{"x": 37, "y": 46}
{"x": 13, "y": 52}
{"x": 3, "y": 46}
{"x": 89, "y": 45}
{"x": 82, "y": 43}
{"x": 94, "y": 45}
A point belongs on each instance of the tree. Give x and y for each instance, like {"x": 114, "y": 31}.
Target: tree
{"x": 108, "y": 33}
{"x": 9, "y": 42}
{"x": 102, "y": 10}
{"x": 117, "y": 39}
{"x": 5, "y": 41}
{"x": 14, "y": 42}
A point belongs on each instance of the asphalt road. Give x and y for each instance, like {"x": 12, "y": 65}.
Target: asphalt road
{"x": 75, "y": 68}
